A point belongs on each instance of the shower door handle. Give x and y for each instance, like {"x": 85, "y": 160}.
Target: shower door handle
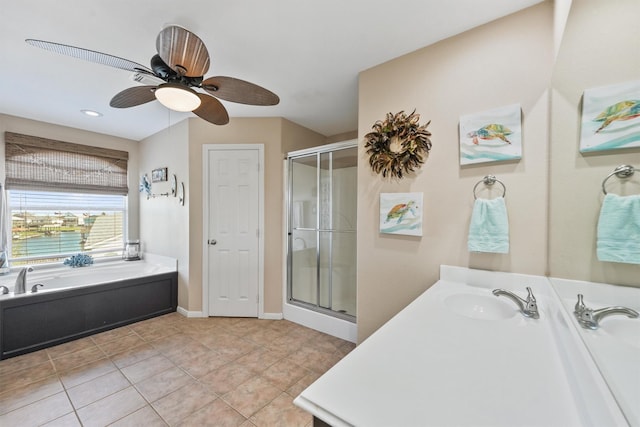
{"x": 212, "y": 242}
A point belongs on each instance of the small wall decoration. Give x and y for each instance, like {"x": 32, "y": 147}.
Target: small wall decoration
{"x": 181, "y": 194}
{"x": 174, "y": 185}
{"x": 491, "y": 136}
{"x": 398, "y": 145}
{"x": 611, "y": 117}
{"x": 159, "y": 175}
{"x": 145, "y": 185}
{"x": 401, "y": 213}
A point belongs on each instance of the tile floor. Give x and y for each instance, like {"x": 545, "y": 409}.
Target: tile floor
{"x": 171, "y": 370}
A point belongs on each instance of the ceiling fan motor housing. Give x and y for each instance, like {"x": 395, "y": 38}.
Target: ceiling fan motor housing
{"x": 162, "y": 70}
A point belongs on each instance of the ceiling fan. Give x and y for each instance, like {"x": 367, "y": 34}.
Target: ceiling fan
{"x": 178, "y": 67}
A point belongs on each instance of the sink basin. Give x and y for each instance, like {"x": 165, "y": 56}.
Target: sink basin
{"x": 622, "y": 328}
{"x": 480, "y": 306}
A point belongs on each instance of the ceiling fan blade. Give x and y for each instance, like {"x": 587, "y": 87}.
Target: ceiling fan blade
{"x": 91, "y": 56}
{"x": 133, "y": 96}
{"x": 240, "y": 91}
{"x": 211, "y": 110}
{"x": 183, "y": 51}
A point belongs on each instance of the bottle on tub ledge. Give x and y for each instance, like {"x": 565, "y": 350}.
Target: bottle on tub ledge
{"x": 131, "y": 250}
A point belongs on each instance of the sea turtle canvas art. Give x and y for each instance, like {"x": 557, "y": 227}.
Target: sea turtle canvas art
{"x": 610, "y": 117}
{"x": 491, "y": 136}
{"x": 401, "y": 213}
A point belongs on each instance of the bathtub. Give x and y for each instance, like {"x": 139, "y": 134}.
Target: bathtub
{"x": 58, "y": 278}
{"x": 77, "y": 302}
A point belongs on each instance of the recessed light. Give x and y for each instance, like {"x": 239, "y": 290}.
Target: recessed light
{"x": 91, "y": 113}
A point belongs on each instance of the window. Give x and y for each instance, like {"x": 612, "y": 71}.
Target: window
{"x": 64, "y": 198}
{"x": 50, "y": 226}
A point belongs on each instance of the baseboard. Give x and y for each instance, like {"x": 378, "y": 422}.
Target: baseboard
{"x": 187, "y": 313}
{"x": 272, "y": 316}
{"x": 265, "y": 316}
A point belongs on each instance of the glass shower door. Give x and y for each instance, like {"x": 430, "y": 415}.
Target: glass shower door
{"x": 322, "y": 232}
{"x": 303, "y": 243}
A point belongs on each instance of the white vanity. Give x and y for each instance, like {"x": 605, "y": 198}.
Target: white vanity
{"x": 615, "y": 345}
{"x": 459, "y": 355}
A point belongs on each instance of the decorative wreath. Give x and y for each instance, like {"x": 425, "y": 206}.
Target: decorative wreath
{"x": 398, "y": 145}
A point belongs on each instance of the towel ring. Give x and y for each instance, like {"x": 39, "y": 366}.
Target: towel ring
{"x": 622, "y": 172}
{"x": 489, "y": 180}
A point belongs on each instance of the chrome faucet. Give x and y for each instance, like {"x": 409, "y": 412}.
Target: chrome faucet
{"x": 21, "y": 281}
{"x": 590, "y": 319}
{"x": 528, "y": 307}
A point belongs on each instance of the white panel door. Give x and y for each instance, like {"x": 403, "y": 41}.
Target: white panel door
{"x": 233, "y": 249}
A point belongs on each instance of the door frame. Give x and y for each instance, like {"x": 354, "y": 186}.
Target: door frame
{"x": 206, "y": 148}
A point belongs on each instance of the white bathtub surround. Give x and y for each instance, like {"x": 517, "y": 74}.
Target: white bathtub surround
{"x": 71, "y": 303}
{"x": 104, "y": 271}
{"x": 615, "y": 345}
{"x": 458, "y": 355}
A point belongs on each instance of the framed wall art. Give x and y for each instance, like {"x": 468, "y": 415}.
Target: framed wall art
{"x": 610, "y": 117}
{"x": 159, "y": 175}
{"x": 401, "y": 213}
{"x": 491, "y": 136}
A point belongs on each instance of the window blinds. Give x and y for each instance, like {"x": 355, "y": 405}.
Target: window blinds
{"x": 34, "y": 163}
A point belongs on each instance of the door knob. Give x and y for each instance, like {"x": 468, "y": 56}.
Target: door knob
{"x": 212, "y": 241}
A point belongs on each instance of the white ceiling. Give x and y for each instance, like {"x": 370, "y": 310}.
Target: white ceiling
{"x": 308, "y": 52}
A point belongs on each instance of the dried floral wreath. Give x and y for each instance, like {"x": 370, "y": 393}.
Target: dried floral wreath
{"x": 398, "y": 145}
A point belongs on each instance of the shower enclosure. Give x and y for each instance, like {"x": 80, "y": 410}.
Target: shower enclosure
{"x": 322, "y": 203}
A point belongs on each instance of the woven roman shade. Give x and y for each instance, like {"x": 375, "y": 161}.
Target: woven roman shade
{"x": 41, "y": 164}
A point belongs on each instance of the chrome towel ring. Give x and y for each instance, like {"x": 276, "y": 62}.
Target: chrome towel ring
{"x": 622, "y": 172}
{"x": 489, "y": 180}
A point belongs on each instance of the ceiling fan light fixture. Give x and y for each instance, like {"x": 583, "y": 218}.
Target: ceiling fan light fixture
{"x": 177, "y": 97}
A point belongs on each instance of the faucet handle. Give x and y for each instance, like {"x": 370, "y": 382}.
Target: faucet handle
{"x": 532, "y": 305}
{"x": 34, "y": 288}
{"x": 530, "y": 296}
{"x": 584, "y": 314}
{"x": 5, "y": 290}
{"x": 579, "y": 307}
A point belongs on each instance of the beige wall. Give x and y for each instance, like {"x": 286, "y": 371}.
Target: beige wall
{"x": 164, "y": 223}
{"x": 63, "y": 133}
{"x": 341, "y": 137}
{"x": 165, "y": 227}
{"x": 553, "y": 209}
{"x": 278, "y": 136}
{"x": 507, "y": 61}
{"x": 601, "y": 46}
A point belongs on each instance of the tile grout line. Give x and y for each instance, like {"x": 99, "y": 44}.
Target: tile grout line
{"x": 237, "y": 331}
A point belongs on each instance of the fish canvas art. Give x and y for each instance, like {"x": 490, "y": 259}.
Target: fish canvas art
{"x": 401, "y": 213}
{"x": 610, "y": 117}
{"x": 491, "y": 136}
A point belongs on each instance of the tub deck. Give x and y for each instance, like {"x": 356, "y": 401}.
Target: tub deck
{"x": 84, "y": 301}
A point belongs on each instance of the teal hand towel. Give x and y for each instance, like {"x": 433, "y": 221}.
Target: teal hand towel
{"x": 489, "y": 228}
{"x": 619, "y": 229}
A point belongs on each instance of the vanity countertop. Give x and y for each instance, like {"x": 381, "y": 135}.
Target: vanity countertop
{"x": 615, "y": 345}
{"x": 477, "y": 363}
